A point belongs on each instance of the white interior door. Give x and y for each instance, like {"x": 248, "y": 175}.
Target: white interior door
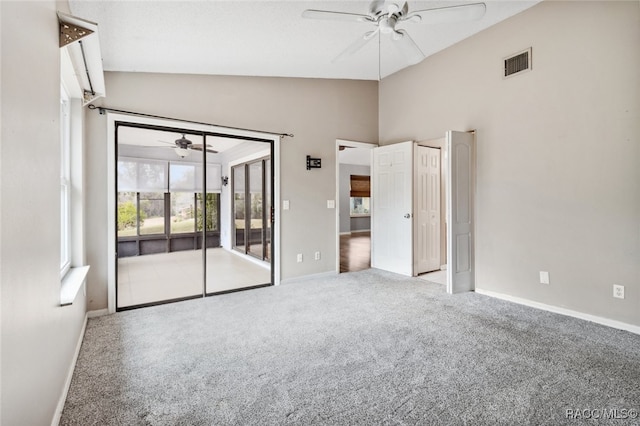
{"x": 392, "y": 208}
{"x": 427, "y": 209}
{"x": 460, "y": 181}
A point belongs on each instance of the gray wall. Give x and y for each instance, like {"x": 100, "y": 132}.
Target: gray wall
{"x": 317, "y": 112}
{"x": 38, "y": 336}
{"x": 558, "y": 149}
{"x": 348, "y": 224}
{"x": 360, "y": 224}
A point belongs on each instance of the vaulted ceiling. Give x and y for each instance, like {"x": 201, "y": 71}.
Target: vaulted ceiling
{"x": 266, "y": 38}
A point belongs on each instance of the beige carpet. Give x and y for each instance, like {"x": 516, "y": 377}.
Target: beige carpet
{"x": 362, "y": 348}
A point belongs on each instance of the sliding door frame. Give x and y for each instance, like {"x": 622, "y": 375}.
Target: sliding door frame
{"x": 115, "y": 119}
{"x": 267, "y": 215}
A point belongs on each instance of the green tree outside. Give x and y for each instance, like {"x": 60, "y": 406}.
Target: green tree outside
{"x": 212, "y": 212}
{"x": 127, "y": 216}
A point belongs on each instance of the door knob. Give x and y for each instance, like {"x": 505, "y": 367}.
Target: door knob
{"x": 407, "y": 216}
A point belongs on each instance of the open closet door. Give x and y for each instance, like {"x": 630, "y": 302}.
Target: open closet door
{"x": 460, "y": 244}
{"x": 392, "y": 208}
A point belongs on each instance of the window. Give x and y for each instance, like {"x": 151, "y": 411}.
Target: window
{"x": 143, "y": 213}
{"x": 65, "y": 182}
{"x": 127, "y": 214}
{"x": 359, "y": 206}
{"x": 182, "y": 212}
{"x": 155, "y": 195}
{"x": 73, "y": 271}
{"x": 151, "y": 213}
{"x": 359, "y": 203}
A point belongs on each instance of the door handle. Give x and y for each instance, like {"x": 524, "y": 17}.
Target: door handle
{"x": 407, "y": 216}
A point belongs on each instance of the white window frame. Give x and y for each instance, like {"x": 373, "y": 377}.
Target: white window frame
{"x": 65, "y": 181}
{"x": 73, "y": 268}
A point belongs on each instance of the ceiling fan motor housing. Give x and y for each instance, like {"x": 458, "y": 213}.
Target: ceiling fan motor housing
{"x": 387, "y": 24}
{"x": 183, "y": 142}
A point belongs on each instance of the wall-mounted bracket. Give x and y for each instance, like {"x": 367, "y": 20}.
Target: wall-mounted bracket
{"x": 313, "y": 163}
{"x": 70, "y": 32}
{"x": 81, "y": 59}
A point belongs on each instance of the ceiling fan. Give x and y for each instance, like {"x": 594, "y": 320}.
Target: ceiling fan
{"x": 385, "y": 15}
{"x": 182, "y": 146}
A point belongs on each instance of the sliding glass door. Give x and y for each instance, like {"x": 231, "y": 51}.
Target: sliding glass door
{"x": 239, "y": 207}
{"x": 255, "y": 228}
{"x": 159, "y": 218}
{"x": 248, "y": 266}
{"x": 268, "y": 211}
{"x": 179, "y": 223}
{"x": 252, "y": 208}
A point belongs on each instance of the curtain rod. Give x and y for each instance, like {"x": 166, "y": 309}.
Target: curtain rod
{"x": 102, "y": 110}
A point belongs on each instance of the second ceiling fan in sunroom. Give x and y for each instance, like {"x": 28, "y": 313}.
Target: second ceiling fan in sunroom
{"x": 386, "y": 15}
{"x": 182, "y": 146}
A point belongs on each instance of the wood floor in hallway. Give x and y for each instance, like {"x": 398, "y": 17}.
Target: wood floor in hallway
{"x": 355, "y": 251}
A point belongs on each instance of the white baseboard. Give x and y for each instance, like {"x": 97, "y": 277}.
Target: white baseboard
{"x": 97, "y": 313}
{"x": 262, "y": 263}
{"x": 355, "y": 232}
{"x": 72, "y": 367}
{"x": 443, "y": 267}
{"x": 309, "y": 277}
{"x": 563, "y": 311}
{"x": 360, "y": 230}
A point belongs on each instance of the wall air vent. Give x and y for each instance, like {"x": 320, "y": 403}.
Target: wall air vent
{"x": 517, "y": 63}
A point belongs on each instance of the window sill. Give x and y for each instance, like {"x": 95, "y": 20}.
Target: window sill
{"x": 361, "y": 215}
{"x": 71, "y": 284}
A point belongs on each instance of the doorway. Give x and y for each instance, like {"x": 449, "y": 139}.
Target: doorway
{"x": 353, "y": 205}
{"x": 394, "y": 214}
{"x": 173, "y": 207}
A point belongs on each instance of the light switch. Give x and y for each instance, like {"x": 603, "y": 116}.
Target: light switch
{"x": 285, "y": 205}
{"x": 331, "y": 204}
{"x": 544, "y": 277}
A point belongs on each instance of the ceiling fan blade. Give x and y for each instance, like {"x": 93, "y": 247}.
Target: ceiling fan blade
{"x": 441, "y": 15}
{"x": 408, "y": 47}
{"x": 199, "y": 147}
{"x": 376, "y": 7}
{"x": 356, "y": 45}
{"x": 404, "y": 9}
{"x": 336, "y": 16}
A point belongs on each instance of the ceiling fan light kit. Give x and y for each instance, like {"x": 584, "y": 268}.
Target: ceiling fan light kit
{"x": 182, "y": 152}
{"x": 387, "y": 15}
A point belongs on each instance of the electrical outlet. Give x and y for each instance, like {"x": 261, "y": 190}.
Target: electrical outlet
{"x": 618, "y": 291}
{"x": 544, "y": 277}
{"x": 317, "y": 255}
{"x": 299, "y": 257}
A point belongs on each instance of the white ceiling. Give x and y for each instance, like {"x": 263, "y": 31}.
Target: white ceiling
{"x": 263, "y": 37}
